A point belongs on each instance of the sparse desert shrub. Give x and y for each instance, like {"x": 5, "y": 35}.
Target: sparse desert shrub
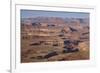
{"x": 70, "y": 50}
{"x": 51, "y": 54}
{"x": 38, "y": 43}
{"x": 39, "y": 57}
{"x": 55, "y": 44}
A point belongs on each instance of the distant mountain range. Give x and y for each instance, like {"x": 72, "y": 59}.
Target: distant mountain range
{"x": 55, "y": 20}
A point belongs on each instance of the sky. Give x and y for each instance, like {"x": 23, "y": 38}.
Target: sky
{"x": 41, "y": 13}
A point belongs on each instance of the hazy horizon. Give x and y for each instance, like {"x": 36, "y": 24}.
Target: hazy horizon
{"x": 62, "y": 14}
